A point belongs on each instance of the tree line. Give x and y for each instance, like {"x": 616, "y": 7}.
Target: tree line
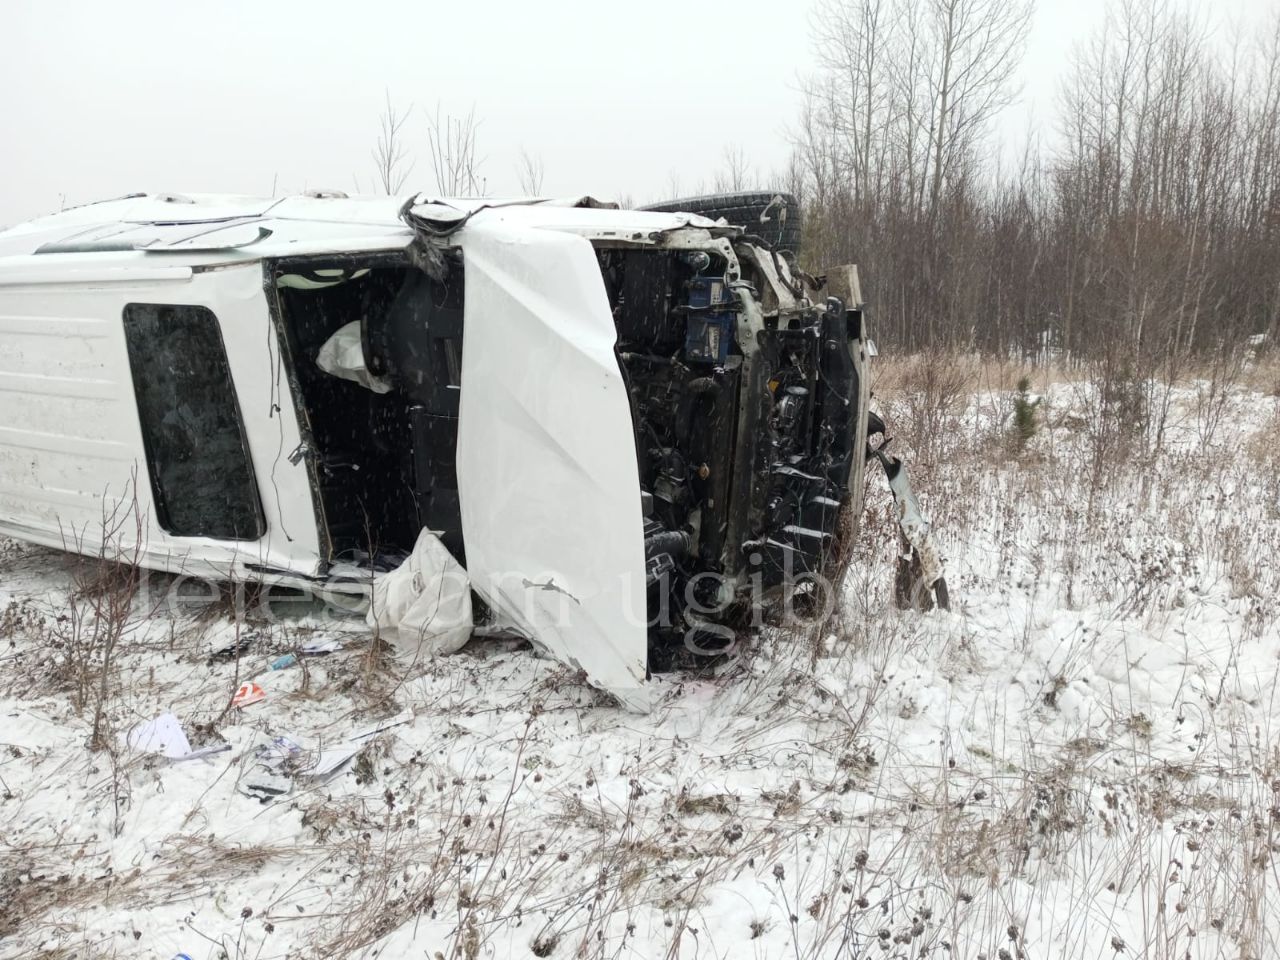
{"x": 1147, "y": 231}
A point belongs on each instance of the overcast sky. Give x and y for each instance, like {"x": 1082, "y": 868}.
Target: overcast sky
{"x": 616, "y": 98}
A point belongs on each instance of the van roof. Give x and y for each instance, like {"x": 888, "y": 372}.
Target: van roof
{"x": 190, "y": 229}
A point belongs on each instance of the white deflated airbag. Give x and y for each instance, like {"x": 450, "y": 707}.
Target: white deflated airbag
{"x": 423, "y": 607}
{"x": 343, "y": 356}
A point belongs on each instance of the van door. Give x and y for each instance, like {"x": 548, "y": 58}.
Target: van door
{"x": 546, "y": 460}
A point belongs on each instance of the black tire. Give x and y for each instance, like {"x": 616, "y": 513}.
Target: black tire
{"x": 780, "y": 226}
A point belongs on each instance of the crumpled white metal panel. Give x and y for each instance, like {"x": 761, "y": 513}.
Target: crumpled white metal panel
{"x": 546, "y": 459}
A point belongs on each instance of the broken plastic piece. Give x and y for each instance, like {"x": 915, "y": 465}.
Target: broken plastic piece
{"x": 916, "y": 529}
{"x": 319, "y": 647}
{"x": 264, "y": 785}
{"x": 330, "y": 761}
{"x": 288, "y": 660}
{"x": 279, "y": 752}
{"x": 238, "y": 645}
{"x": 283, "y": 757}
{"x": 248, "y": 693}
{"x": 268, "y": 778}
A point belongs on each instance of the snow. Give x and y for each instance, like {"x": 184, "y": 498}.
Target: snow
{"x": 1078, "y": 760}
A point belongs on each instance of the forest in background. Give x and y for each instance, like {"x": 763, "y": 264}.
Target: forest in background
{"x": 1144, "y": 231}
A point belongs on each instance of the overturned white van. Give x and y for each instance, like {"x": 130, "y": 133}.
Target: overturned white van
{"x": 619, "y": 422}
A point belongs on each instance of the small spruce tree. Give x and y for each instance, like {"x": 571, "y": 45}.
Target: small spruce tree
{"x": 1024, "y": 414}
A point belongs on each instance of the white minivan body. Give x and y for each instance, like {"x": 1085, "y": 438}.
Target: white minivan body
{"x": 157, "y": 361}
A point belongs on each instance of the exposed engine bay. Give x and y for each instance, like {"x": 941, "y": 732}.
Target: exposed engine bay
{"x": 747, "y": 406}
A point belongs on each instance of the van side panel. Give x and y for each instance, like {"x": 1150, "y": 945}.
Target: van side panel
{"x": 70, "y": 442}
{"x": 67, "y": 437}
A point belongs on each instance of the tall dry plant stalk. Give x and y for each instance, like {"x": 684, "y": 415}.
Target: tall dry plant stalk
{"x": 105, "y": 579}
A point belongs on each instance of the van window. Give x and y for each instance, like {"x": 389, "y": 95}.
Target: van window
{"x": 201, "y": 475}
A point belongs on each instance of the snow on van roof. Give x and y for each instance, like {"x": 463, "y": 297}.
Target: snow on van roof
{"x": 246, "y": 227}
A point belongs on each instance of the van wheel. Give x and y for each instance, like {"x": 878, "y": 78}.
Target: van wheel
{"x": 771, "y": 215}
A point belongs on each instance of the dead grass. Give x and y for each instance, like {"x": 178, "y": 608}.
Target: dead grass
{"x": 33, "y": 883}
{"x": 480, "y": 840}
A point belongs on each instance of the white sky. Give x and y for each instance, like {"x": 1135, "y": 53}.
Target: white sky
{"x": 617, "y": 98}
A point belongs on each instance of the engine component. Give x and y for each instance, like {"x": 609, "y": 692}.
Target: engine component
{"x": 747, "y": 410}
{"x": 709, "y": 332}
{"x": 661, "y": 548}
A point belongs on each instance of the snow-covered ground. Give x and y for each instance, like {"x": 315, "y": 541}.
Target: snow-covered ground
{"x": 1079, "y": 760}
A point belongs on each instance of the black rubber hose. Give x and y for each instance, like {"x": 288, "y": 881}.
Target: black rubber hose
{"x": 670, "y": 541}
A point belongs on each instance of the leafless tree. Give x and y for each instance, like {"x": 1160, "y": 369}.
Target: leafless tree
{"x": 673, "y": 184}
{"x": 734, "y": 174}
{"x": 854, "y": 49}
{"x": 454, "y": 161}
{"x": 529, "y": 170}
{"x": 390, "y": 154}
{"x": 98, "y": 615}
{"x": 975, "y": 48}
{"x": 1149, "y": 230}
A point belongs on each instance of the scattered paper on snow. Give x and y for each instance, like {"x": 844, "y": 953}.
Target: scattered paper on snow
{"x": 329, "y": 761}
{"x": 162, "y": 735}
{"x": 315, "y": 647}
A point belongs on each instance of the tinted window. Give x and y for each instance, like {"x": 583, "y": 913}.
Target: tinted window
{"x": 201, "y": 475}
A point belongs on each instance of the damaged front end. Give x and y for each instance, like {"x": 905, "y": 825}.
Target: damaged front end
{"x": 749, "y": 387}
{"x": 635, "y": 431}
{"x": 748, "y": 392}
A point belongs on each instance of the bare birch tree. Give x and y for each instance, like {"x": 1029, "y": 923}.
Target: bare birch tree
{"x": 976, "y": 48}
{"x": 529, "y": 171}
{"x": 452, "y": 142}
{"x": 390, "y": 155}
